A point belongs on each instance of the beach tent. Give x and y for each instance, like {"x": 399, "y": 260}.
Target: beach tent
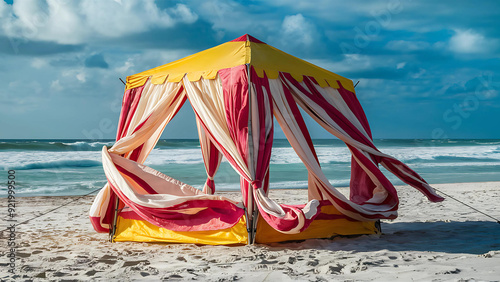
{"x": 235, "y": 90}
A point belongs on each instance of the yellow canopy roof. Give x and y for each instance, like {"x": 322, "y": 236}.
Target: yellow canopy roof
{"x": 243, "y": 50}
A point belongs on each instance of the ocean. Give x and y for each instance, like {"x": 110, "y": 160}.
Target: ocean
{"x": 73, "y": 167}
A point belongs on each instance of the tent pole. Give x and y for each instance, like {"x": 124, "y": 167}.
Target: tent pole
{"x": 115, "y": 217}
{"x": 255, "y": 218}
{"x": 248, "y": 225}
{"x": 117, "y": 202}
{"x": 378, "y": 226}
{"x": 250, "y": 199}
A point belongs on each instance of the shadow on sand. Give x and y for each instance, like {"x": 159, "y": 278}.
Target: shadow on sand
{"x": 471, "y": 237}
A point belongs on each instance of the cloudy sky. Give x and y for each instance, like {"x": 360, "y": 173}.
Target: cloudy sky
{"x": 427, "y": 69}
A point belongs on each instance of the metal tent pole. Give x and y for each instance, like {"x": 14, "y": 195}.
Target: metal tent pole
{"x": 115, "y": 217}
{"x": 250, "y": 198}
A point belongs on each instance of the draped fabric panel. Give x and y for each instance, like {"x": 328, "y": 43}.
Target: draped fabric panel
{"x": 290, "y": 120}
{"x": 234, "y": 114}
{"x": 211, "y": 158}
{"x": 223, "y": 108}
{"x": 287, "y": 219}
{"x": 101, "y": 211}
{"x": 167, "y": 202}
{"x": 148, "y": 113}
{"x": 351, "y": 127}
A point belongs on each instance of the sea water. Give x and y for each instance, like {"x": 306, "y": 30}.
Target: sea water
{"x": 73, "y": 167}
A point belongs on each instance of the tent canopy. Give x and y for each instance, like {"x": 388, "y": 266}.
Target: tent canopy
{"x": 240, "y": 51}
{"x": 236, "y": 90}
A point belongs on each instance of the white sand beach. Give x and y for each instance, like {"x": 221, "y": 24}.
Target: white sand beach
{"x": 428, "y": 242}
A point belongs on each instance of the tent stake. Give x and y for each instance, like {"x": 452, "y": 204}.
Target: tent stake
{"x": 115, "y": 217}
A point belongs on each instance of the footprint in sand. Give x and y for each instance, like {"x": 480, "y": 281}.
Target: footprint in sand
{"x": 337, "y": 269}
{"x": 173, "y": 276}
{"x": 179, "y": 258}
{"x": 57, "y": 258}
{"x": 107, "y": 259}
{"x": 60, "y": 274}
{"x": 91, "y": 272}
{"x": 134, "y": 263}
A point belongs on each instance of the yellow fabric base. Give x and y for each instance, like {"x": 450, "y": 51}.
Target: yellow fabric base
{"x": 143, "y": 231}
{"x": 317, "y": 229}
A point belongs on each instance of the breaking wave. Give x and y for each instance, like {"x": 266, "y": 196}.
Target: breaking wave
{"x": 56, "y": 164}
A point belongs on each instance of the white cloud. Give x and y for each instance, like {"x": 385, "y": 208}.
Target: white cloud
{"x": 403, "y": 45}
{"x": 56, "y": 85}
{"x": 76, "y": 22}
{"x": 82, "y": 77}
{"x": 400, "y": 65}
{"x": 4, "y": 9}
{"x": 39, "y": 63}
{"x": 418, "y": 74}
{"x": 350, "y": 63}
{"x": 231, "y": 16}
{"x": 469, "y": 42}
{"x": 123, "y": 69}
{"x": 295, "y": 28}
{"x": 79, "y": 74}
{"x": 184, "y": 14}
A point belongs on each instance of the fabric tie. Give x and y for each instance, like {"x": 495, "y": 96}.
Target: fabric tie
{"x": 256, "y": 184}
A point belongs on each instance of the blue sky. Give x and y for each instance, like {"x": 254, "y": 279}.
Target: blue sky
{"x": 427, "y": 69}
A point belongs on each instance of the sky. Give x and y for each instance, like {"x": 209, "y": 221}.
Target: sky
{"x": 426, "y": 69}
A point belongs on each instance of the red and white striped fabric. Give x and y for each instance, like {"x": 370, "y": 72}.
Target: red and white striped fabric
{"x": 211, "y": 158}
{"x": 153, "y": 107}
{"x": 234, "y": 115}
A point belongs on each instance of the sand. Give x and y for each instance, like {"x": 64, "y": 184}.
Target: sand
{"x": 427, "y": 242}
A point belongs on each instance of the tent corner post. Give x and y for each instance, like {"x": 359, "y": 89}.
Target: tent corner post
{"x": 378, "y": 226}
{"x": 249, "y": 224}
{"x": 115, "y": 217}
{"x": 255, "y": 218}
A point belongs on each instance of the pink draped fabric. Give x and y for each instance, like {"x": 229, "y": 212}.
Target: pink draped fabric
{"x": 130, "y": 101}
{"x": 262, "y": 109}
{"x": 363, "y": 185}
{"x": 262, "y": 113}
{"x": 211, "y": 158}
{"x": 299, "y": 138}
{"x": 245, "y": 102}
{"x": 193, "y": 215}
{"x": 360, "y": 180}
{"x": 236, "y": 101}
{"x": 244, "y": 114}
{"x": 129, "y": 105}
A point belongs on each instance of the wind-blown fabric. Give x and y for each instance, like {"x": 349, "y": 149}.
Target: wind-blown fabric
{"x": 211, "y": 158}
{"x": 234, "y": 101}
{"x": 290, "y": 120}
{"x": 223, "y": 108}
{"x": 101, "y": 211}
{"x": 157, "y": 106}
{"x": 339, "y": 112}
{"x": 167, "y": 202}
